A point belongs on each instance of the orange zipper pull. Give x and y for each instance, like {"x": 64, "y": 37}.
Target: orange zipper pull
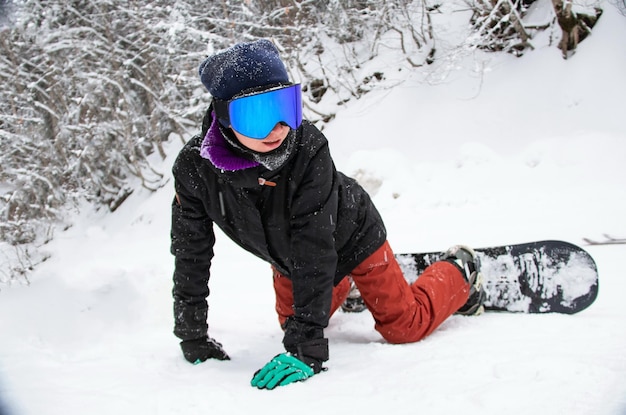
{"x": 264, "y": 182}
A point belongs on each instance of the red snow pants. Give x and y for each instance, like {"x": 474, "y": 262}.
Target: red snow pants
{"x": 403, "y": 313}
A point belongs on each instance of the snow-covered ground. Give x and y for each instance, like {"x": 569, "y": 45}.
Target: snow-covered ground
{"x": 503, "y": 150}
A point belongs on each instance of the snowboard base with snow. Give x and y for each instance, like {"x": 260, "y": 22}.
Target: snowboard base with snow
{"x": 535, "y": 277}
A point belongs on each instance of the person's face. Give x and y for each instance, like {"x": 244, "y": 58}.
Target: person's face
{"x": 273, "y": 140}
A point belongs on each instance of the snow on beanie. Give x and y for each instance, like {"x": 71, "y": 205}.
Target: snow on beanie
{"x": 242, "y": 67}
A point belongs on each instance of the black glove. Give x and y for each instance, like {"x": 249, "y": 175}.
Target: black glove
{"x": 198, "y": 350}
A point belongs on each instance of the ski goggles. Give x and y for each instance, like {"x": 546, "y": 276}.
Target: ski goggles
{"x": 257, "y": 114}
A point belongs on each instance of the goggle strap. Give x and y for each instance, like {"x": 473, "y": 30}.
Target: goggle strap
{"x": 221, "y": 110}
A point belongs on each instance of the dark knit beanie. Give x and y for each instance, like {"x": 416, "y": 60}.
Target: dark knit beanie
{"x": 242, "y": 67}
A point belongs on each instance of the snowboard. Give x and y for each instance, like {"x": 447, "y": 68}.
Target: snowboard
{"x": 534, "y": 277}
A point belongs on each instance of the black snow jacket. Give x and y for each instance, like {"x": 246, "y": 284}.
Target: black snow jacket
{"x": 315, "y": 226}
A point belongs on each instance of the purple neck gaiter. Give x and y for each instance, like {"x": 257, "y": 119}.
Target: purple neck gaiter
{"x": 215, "y": 148}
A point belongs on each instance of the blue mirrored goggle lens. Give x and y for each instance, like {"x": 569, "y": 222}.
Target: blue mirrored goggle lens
{"x": 256, "y": 115}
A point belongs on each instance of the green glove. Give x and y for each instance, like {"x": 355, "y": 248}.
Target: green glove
{"x": 280, "y": 371}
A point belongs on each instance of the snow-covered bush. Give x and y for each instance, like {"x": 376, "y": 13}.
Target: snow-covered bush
{"x": 92, "y": 89}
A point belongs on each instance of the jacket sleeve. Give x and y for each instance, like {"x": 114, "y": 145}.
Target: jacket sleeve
{"x": 192, "y": 241}
{"x": 314, "y": 257}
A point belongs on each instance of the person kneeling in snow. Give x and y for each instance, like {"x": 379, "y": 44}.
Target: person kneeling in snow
{"x": 266, "y": 177}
